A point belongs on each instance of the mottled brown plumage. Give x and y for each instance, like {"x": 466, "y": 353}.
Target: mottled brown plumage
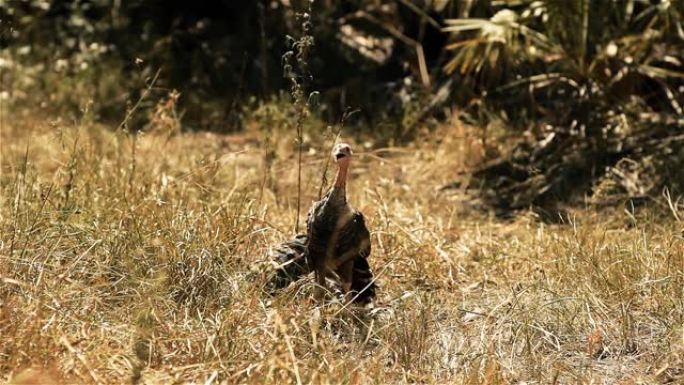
{"x": 337, "y": 243}
{"x": 337, "y": 234}
{"x": 291, "y": 263}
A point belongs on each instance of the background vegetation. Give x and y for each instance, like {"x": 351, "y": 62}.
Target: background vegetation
{"x": 576, "y": 88}
{"x": 149, "y": 156}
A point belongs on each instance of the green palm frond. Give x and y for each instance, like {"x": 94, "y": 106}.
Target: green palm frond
{"x": 497, "y": 38}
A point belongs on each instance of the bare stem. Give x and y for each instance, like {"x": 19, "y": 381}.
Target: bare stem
{"x": 298, "y": 59}
{"x": 300, "y": 140}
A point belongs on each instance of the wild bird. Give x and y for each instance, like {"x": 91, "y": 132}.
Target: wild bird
{"x": 337, "y": 243}
{"x": 336, "y": 232}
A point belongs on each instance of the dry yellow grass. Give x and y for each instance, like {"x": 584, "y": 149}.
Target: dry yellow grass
{"x": 141, "y": 259}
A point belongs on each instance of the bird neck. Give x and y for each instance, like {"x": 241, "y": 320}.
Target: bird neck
{"x": 341, "y": 177}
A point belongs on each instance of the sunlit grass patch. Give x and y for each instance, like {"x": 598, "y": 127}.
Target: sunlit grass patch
{"x": 141, "y": 258}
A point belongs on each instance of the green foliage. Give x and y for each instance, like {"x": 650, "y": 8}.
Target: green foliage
{"x": 526, "y": 61}
{"x": 574, "y": 59}
{"x": 211, "y": 52}
{"x": 595, "y": 86}
{"x": 219, "y": 55}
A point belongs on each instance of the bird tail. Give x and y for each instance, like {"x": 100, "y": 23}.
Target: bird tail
{"x": 290, "y": 262}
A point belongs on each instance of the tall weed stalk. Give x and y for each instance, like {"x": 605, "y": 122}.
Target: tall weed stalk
{"x": 296, "y": 70}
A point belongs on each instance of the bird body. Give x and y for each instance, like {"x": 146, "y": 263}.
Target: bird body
{"x": 337, "y": 233}
{"x": 337, "y": 243}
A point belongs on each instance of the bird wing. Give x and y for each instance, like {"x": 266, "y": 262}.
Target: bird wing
{"x": 363, "y": 284}
{"x": 354, "y": 239}
{"x": 364, "y": 234}
{"x": 312, "y": 231}
{"x": 310, "y": 216}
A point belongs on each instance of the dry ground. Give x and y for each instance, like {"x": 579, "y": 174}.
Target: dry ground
{"x": 142, "y": 259}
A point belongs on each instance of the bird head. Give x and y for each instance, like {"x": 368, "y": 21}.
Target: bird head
{"x": 342, "y": 153}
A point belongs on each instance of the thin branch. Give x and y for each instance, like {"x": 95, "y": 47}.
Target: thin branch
{"x": 142, "y": 97}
